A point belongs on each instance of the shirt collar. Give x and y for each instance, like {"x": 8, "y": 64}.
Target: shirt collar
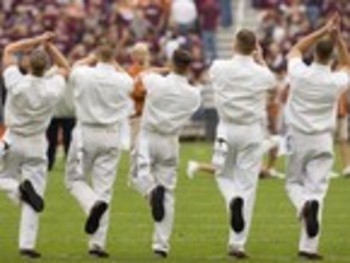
{"x": 101, "y": 65}
{"x": 322, "y": 67}
{"x": 243, "y": 58}
{"x": 178, "y": 77}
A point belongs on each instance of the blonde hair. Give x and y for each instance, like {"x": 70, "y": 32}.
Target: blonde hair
{"x": 140, "y": 52}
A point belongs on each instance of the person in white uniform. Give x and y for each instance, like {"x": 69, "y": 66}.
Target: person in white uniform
{"x": 170, "y": 102}
{"x": 29, "y": 107}
{"x": 311, "y": 116}
{"x": 101, "y": 89}
{"x": 242, "y": 86}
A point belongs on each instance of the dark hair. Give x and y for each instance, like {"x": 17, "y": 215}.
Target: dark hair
{"x": 38, "y": 61}
{"x": 106, "y": 52}
{"x": 246, "y": 41}
{"x": 324, "y": 50}
{"x": 182, "y": 60}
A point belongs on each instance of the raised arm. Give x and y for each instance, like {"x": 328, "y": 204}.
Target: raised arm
{"x": 87, "y": 61}
{"x": 305, "y": 43}
{"x": 343, "y": 53}
{"x": 23, "y": 46}
{"x": 119, "y": 68}
{"x": 58, "y": 59}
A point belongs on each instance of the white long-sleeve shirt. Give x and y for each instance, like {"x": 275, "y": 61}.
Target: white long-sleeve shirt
{"x": 101, "y": 94}
{"x": 240, "y": 86}
{"x": 30, "y": 101}
{"x": 170, "y": 102}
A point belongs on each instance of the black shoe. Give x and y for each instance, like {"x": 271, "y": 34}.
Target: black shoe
{"x": 29, "y": 196}
{"x": 309, "y": 256}
{"x": 238, "y": 254}
{"x": 157, "y": 203}
{"x": 93, "y": 220}
{"x": 236, "y": 209}
{"x": 310, "y": 212}
{"x": 160, "y": 254}
{"x": 29, "y": 253}
{"x": 98, "y": 253}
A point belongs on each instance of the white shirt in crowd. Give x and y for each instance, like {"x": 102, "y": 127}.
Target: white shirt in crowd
{"x": 241, "y": 86}
{"x": 101, "y": 94}
{"x": 170, "y": 102}
{"x": 30, "y": 101}
{"x": 183, "y": 12}
{"x": 313, "y": 97}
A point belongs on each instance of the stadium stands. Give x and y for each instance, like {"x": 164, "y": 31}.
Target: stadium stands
{"x": 282, "y": 22}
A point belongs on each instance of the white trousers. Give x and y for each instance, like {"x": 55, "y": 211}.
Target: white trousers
{"x": 237, "y": 161}
{"x": 154, "y": 163}
{"x": 94, "y": 153}
{"x": 25, "y": 159}
{"x": 308, "y": 165}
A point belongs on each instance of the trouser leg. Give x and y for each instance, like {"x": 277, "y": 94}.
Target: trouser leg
{"x": 316, "y": 186}
{"x": 78, "y": 163}
{"x": 245, "y": 181}
{"x": 104, "y": 174}
{"x": 52, "y": 137}
{"x": 34, "y": 169}
{"x": 162, "y": 230}
{"x": 164, "y": 170}
{"x": 295, "y": 175}
{"x": 308, "y": 166}
{"x": 67, "y": 126}
{"x": 142, "y": 178}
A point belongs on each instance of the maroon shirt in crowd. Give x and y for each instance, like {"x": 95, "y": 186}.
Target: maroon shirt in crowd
{"x": 209, "y": 15}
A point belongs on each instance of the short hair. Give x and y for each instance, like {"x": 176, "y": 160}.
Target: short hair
{"x": 38, "y": 61}
{"x": 182, "y": 60}
{"x": 106, "y": 52}
{"x": 324, "y": 49}
{"x": 246, "y": 41}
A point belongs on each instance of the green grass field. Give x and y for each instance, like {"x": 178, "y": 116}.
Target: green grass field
{"x": 201, "y": 228}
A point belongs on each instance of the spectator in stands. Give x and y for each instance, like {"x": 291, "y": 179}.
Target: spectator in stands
{"x": 209, "y": 17}
{"x": 184, "y": 14}
{"x": 155, "y": 14}
{"x": 313, "y": 11}
{"x": 198, "y": 66}
{"x": 139, "y": 25}
{"x": 226, "y": 13}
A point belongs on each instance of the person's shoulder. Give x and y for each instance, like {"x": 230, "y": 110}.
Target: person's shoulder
{"x": 220, "y": 64}
{"x": 55, "y": 79}
{"x": 12, "y": 71}
{"x": 81, "y": 70}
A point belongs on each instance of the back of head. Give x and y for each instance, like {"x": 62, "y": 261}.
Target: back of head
{"x": 181, "y": 61}
{"x": 324, "y": 50}
{"x": 38, "y": 61}
{"x": 245, "y": 42}
{"x": 106, "y": 53}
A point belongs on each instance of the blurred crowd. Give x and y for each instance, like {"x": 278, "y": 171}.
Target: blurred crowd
{"x": 282, "y": 22}
{"x": 81, "y": 24}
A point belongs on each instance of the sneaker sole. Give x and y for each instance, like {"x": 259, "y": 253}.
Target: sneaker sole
{"x": 32, "y": 198}
{"x": 157, "y": 203}
{"x": 93, "y": 221}
{"x": 312, "y": 225}
{"x": 237, "y": 221}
